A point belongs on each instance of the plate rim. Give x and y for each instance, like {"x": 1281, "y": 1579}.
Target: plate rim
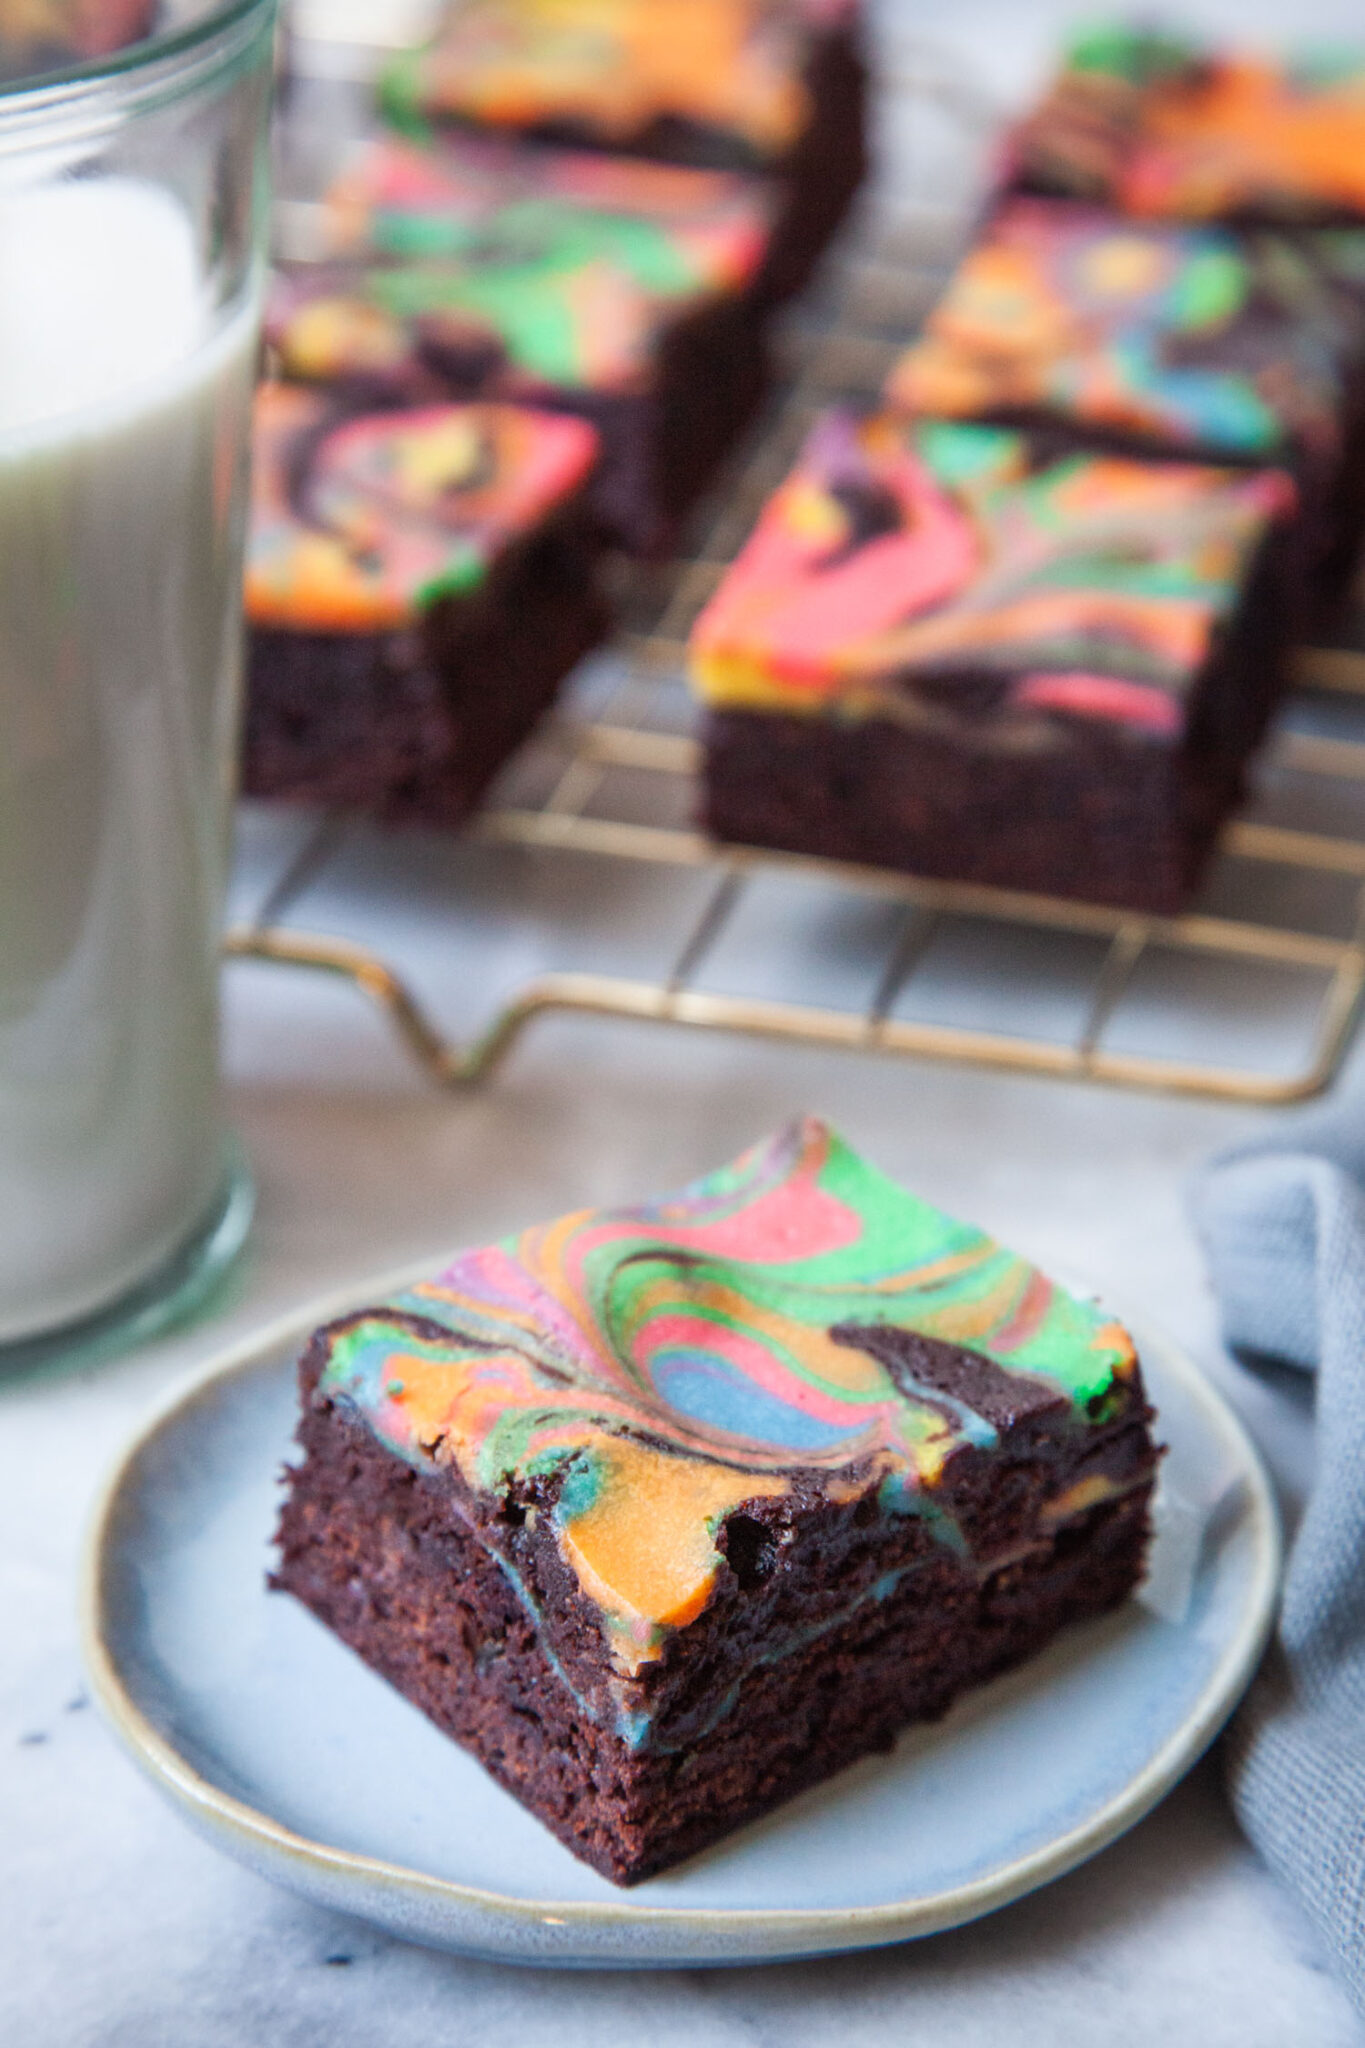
{"x": 771, "y": 1932}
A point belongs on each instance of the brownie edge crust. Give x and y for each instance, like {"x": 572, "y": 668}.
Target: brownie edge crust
{"x": 385, "y": 1559}
{"x": 842, "y": 1602}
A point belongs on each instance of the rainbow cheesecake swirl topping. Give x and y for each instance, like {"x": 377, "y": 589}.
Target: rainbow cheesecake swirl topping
{"x": 361, "y": 521}
{"x": 662, "y": 1364}
{"x": 932, "y": 571}
{"x": 675, "y": 230}
{"x": 613, "y": 70}
{"x": 1161, "y": 126}
{"x": 475, "y": 265}
{"x": 1194, "y": 338}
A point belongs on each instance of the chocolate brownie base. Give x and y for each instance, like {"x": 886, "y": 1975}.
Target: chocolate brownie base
{"x": 412, "y": 725}
{"x": 713, "y": 377}
{"x": 1335, "y": 524}
{"x": 1105, "y": 813}
{"x": 832, "y": 1627}
{"x": 826, "y": 167}
{"x": 662, "y": 446}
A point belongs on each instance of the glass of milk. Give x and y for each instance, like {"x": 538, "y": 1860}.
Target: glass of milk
{"x": 132, "y": 219}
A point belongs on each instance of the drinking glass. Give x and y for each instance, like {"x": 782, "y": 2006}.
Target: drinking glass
{"x": 132, "y": 228}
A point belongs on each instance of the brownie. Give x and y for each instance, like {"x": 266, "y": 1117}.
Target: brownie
{"x": 38, "y": 36}
{"x": 418, "y": 583}
{"x": 954, "y": 649}
{"x": 1201, "y": 340}
{"x": 1211, "y": 342}
{"x": 666, "y": 1512}
{"x": 1159, "y": 125}
{"x": 772, "y": 85}
{"x": 621, "y": 291}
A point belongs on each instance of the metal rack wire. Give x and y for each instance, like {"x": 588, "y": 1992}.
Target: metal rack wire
{"x": 566, "y": 796}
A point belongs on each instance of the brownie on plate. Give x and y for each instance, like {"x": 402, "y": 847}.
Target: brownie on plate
{"x": 418, "y": 583}
{"x": 666, "y": 1512}
{"x": 955, "y": 649}
{"x": 773, "y": 85}
{"x": 1157, "y": 125}
{"x": 622, "y": 291}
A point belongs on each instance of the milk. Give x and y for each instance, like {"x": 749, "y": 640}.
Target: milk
{"x": 122, "y": 437}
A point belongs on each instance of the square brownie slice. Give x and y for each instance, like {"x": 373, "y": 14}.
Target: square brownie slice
{"x": 417, "y": 585}
{"x": 1163, "y": 127}
{"x": 621, "y": 291}
{"x": 1195, "y": 341}
{"x": 668, "y": 1511}
{"x": 955, "y": 649}
{"x": 725, "y": 84}
{"x": 1202, "y": 341}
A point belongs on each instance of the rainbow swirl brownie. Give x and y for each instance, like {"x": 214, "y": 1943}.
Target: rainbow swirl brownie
{"x": 1159, "y": 126}
{"x": 727, "y": 84}
{"x": 950, "y": 648}
{"x": 619, "y": 290}
{"x": 1207, "y": 342}
{"x": 417, "y": 584}
{"x": 1197, "y": 340}
{"x": 668, "y": 1511}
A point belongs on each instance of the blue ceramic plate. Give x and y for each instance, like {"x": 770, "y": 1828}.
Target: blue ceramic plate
{"x": 279, "y": 1746}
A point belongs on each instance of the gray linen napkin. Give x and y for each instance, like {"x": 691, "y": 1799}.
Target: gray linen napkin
{"x": 1283, "y": 1224}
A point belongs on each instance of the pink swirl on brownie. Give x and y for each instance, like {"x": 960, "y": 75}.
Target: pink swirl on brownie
{"x": 360, "y": 521}
{"x": 899, "y": 550}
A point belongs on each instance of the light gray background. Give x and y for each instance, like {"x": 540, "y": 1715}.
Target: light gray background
{"x": 118, "y": 1929}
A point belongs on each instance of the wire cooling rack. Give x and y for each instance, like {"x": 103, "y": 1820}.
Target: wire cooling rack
{"x": 989, "y": 977}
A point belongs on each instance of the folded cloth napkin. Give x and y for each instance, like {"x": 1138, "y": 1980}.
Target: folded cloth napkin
{"x": 1283, "y": 1224}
